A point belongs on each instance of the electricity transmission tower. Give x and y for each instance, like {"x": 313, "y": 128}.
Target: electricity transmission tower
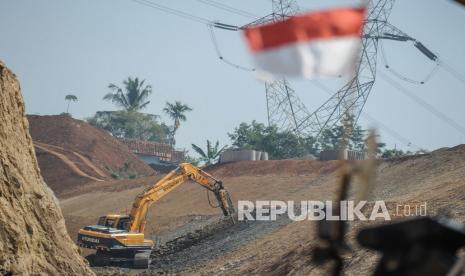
{"x": 351, "y": 98}
{"x": 284, "y": 108}
{"x": 287, "y": 111}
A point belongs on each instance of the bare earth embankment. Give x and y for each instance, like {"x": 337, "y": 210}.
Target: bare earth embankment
{"x": 72, "y": 153}
{"x": 33, "y": 238}
{"x": 277, "y": 247}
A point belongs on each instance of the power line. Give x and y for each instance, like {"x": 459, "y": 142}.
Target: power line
{"x": 198, "y": 19}
{"x": 229, "y": 8}
{"x": 218, "y": 52}
{"x": 423, "y": 103}
{"x": 381, "y": 125}
{"x": 391, "y": 131}
{"x": 399, "y": 75}
{"x": 452, "y": 71}
{"x": 172, "y": 11}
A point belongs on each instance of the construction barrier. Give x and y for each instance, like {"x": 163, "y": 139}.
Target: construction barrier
{"x": 327, "y": 155}
{"x": 242, "y": 155}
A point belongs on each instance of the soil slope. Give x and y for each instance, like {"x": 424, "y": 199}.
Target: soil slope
{"x": 284, "y": 247}
{"x": 72, "y": 153}
{"x": 437, "y": 178}
{"x": 33, "y": 238}
{"x": 85, "y": 205}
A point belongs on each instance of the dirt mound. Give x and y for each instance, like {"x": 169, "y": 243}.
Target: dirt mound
{"x": 84, "y": 205}
{"x": 59, "y": 177}
{"x": 71, "y": 152}
{"x": 273, "y": 167}
{"x": 277, "y": 247}
{"x": 216, "y": 237}
{"x": 436, "y": 178}
{"x": 33, "y": 238}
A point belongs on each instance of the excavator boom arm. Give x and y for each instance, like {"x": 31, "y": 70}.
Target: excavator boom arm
{"x": 183, "y": 173}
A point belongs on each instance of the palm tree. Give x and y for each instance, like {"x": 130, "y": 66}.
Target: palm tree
{"x": 70, "y": 98}
{"x": 176, "y": 112}
{"x": 212, "y": 153}
{"x": 134, "y": 95}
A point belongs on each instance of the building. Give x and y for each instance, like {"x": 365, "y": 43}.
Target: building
{"x": 153, "y": 152}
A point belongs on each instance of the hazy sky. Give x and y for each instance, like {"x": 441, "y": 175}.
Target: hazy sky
{"x": 58, "y": 47}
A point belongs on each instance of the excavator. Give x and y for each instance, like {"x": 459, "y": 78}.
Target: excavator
{"x": 120, "y": 238}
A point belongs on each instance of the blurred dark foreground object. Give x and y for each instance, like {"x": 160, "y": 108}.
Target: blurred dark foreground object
{"x": 419, "y": 246}
{"x": 460, "y": 2}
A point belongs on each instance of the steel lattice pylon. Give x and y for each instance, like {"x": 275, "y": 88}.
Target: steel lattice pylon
{"x": 351, "y": 98}
{"x": 284, "y": 108}
{"x": 287, "y": 111}
{"x": 283, "y": 105}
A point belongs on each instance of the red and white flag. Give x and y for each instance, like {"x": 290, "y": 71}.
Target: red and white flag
{"x": 324, "y": 43}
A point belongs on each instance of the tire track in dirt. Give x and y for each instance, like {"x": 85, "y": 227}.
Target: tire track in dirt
{"x": 72, "y": 166}
{"x": 90, "y": 164}
{"x": 84, "y": 159}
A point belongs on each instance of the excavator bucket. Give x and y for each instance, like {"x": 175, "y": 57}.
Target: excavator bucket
{"x": 226, "y": 204}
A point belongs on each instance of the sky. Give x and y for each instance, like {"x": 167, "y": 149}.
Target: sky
{"x": 60, "y": 47}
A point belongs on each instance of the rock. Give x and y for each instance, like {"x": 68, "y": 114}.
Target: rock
{"x": 33, "y": 237}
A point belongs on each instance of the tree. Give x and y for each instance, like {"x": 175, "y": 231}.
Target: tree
{"x": 176, "y": 111}
{"x": 392, "y": 153}
{"x": 278, "y": 144}
{"x": 211, "y": 154}
{"x": 70, "y": 98}
{"x": 129, "y": 122}
{"x": 191, "y": 159}
{"x": 134, "y": 96}
{"x": 331, "y": 138}
{"x": 285, "y": 144}
{"x": 132, "y": 125}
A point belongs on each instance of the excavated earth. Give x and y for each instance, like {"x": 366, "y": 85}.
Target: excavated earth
{"x": 72, "y": 153}
{"x": 192, "y": 238}
{"x": 33, "y": 237}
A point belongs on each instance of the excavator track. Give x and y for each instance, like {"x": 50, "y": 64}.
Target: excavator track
{"x": 142, "y": 259}
{"x": 131, "y": 259}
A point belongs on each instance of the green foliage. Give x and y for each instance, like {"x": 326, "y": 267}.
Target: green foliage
{"x": 134, "y": 96}
{"x": 124, "y": 172}
{"x": 279, "y": 145}
{"x": 176, "y": 111}
{"x": 132, "y": 125}
{"x": 331, "y": 139}
{"x": 70, "y": 98}
{"x": 392, "y": 153}
{"x": 191, "y": 159}
{"x": 211, "y": 154}
{"x": 285, "y": 144}
{"x": 380, "y": 147}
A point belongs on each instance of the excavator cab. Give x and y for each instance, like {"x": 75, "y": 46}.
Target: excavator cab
{"x": 114, "y": 244}
{"x": 120, "y": 222}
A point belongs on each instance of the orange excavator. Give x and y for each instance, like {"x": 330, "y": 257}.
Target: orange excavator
{"x": 120, "y": 238}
